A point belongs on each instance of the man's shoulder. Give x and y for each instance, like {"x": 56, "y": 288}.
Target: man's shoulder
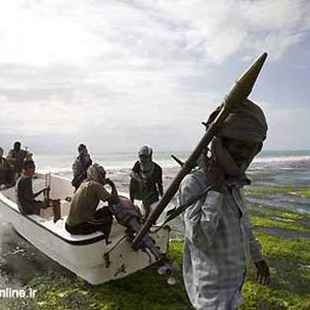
{"x": 94, "y": 184}
{"x": 98, "y": 189}
{"x": 136, "y": 167}
{"x": 77, "y": 160}
{"x": 22, "y": 180}
{"x": 20, "y": 154}
{"x": 4, "y": 161}
{"x": 195, "y": 179}
{"x": 196, "y": 175}
{"x": 157, "y": 166}
{"x": 11, "y": 153}
{"x": 91, "y": 183}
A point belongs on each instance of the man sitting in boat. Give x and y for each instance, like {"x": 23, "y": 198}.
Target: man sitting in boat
{"x": 83, "y": 217}
{"x": 80, "y": 166}
{"x": 25, "y": 197}
{"x": 146, "y": 182}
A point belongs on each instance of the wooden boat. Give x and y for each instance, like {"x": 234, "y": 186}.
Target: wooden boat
{"x": 88, "y": 256}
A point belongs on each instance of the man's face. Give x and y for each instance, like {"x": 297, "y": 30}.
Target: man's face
{"x": 83, "y": 152}
{"x": 102, "y": 174}
{"x": 17, "y": 147}
{"x": 242, "y": 151}
{"x": 145, "y": 159}
{"x": 30, "y": 171}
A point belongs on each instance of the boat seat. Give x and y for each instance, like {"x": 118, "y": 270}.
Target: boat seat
{"x": 59, "y": 229}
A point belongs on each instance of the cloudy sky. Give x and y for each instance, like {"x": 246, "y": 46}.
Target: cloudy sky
{"x": 118, "y": 74}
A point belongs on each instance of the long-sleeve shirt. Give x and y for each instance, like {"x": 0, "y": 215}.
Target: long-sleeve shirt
{"x": 17, "y": 158}
{"x": 147, "y": 190}
{"x": 218, "y": 244}
{"x": 79, "y": 169}
{"x": 25, "y": 195}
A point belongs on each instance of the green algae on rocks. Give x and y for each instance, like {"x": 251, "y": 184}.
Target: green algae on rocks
{"x": 285, "y": 239}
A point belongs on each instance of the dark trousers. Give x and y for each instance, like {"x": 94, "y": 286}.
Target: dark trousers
{"x": 102, "y": 222}
{"x": 30, "y": 209}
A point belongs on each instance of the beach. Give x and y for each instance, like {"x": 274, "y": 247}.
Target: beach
{"x": 280, "y": 184}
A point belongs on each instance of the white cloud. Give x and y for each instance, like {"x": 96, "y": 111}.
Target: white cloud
{"x": 31, "y": 38}
{"x": 223, "y": 28}
{"x": 44, "y": 32}
{"x": 287, "y": 127}
{"x": 90, "y": 67}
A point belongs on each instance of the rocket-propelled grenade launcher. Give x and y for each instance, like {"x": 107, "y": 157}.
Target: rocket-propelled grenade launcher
{"x": 236, "y": 96}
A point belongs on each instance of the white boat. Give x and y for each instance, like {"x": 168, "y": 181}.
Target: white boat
{"x": 88, "y": 256}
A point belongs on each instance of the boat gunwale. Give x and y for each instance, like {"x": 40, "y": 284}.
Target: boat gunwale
{"x": 7, "y": 202}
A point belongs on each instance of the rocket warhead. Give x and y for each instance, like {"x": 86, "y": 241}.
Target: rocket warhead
{"x": 244, "y": 85}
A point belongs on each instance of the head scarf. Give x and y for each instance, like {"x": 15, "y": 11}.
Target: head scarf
{"x": 145, "y": 151}
{"x": 82, "y": 147}
{"x": 16, "y": 146}
{"x": 146, "y": 163}
{"x": 247, "y": 124}
{"x": 96, "y": 173}
{"x": 29, "y": 164}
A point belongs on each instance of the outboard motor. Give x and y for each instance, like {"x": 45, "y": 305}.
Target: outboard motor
{"x": 129, "y": 216}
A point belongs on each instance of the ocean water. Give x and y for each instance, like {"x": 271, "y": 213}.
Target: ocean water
{"x": 281, "y": 169}
{"x": 270, "y": 168}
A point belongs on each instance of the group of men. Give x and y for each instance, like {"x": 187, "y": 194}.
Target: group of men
{"x": 12, "y": 166}
{"x": 218, "y": 240}
{"x": 89, "y": 179}
{"x": 18, "y": 169}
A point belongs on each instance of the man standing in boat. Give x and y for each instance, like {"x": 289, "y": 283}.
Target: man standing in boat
{"x": 84, "y": 218}
{"x": 146, "y": 181}
{"x": 218, "y": 236}
{"x": 80, "y": 166}
{"x": 16, "y": 160}
{"x": 25, "y": 197}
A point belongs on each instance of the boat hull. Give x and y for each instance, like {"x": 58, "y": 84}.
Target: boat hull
{"x": 87, "y": 256}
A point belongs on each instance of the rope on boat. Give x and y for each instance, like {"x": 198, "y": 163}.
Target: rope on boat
{"x": 106, "y": 255}
{"x": 116, "y": 244}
